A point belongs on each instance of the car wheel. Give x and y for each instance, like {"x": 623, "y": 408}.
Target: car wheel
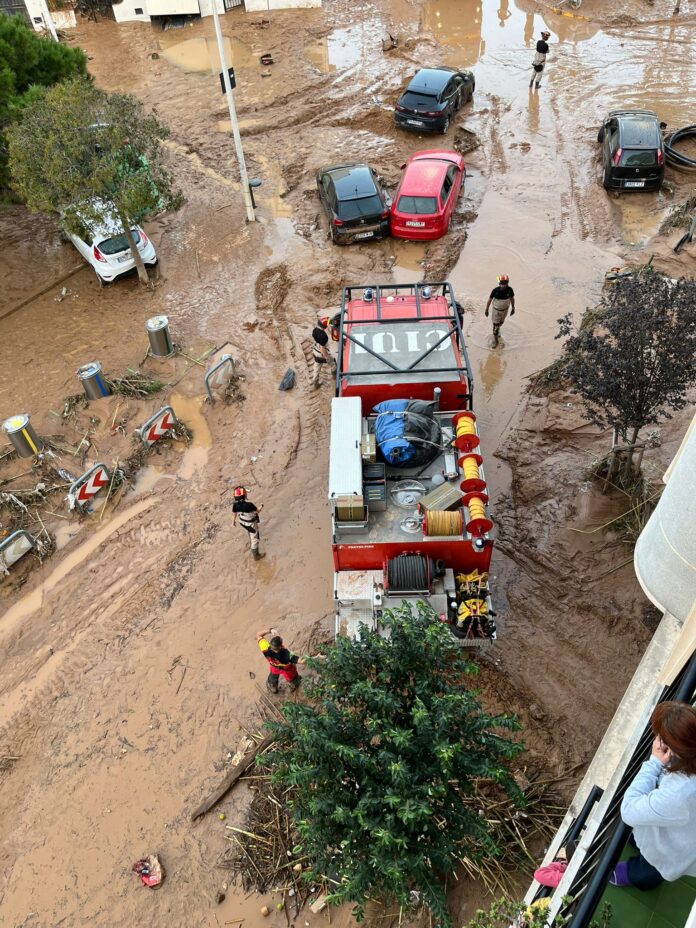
{"x": 332, "y": 234}
{"x": 445, "y": 125}
{"x": 99, "y": 280}
{"x": 600, "y": 135}
{"x": 606, "y": 178}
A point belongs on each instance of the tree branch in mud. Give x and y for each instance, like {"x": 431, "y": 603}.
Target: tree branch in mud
{"x": 387, "y": 764}
{"x": 634, "y": 360}
{"x": 93, "y": 158}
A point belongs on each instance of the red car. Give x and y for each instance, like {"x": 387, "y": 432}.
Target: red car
{"x": 427, "y": 195}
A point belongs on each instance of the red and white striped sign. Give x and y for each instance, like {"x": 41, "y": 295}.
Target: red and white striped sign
{"x": 158, "y": 425}
{"x": 88, "y": 485}
{"x": 96, "y": 482}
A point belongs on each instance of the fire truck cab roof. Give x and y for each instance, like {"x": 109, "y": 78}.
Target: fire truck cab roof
{"x": 396, "y": 342}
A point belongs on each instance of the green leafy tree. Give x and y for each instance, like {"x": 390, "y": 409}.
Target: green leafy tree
{"x": 383, "y": 759}
{"x": 634, "y": 359}
{"x": 28, "y": 63}
{"x": 89, "y": 156}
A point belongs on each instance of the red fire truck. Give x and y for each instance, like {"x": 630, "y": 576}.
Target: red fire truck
{"x": 407, "y": 490}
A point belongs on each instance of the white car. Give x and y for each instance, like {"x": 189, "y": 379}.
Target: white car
{"x": 105, "y": 248}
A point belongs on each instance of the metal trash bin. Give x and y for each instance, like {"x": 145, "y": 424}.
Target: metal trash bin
{"x": 24, "y": 439}
{"x": 92, "y": 380}
{"x": 160, "y": 339}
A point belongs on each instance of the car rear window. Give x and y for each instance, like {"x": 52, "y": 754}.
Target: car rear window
{"x": 112, "y": 246}
{"x": 365, "y": 206}
{"x": 420, "y": 206}
{"x": 418, "y": 100}
{"x": 638, "y": 158}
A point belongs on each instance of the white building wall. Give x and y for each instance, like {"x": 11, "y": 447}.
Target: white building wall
{"x": 263, "y": 6}
{"x": 34, "y": 11}
{"x": 207, "y": 7}
{"x": 124, "y": 12}
{"x": 665, "y": 553}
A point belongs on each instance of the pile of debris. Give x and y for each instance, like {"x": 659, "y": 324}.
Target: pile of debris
{"x": 261, "y": 855}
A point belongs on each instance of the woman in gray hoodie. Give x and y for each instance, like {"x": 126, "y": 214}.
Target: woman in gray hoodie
{"x": 660, "y": 803}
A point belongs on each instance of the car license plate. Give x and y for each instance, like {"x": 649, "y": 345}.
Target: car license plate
{"x": 415, "y": 122}
{"x": 419, "y": 225}
{"x": 364, "y": 234}
{"x": 125, "y": 257}
{"x": 635, "y": 183}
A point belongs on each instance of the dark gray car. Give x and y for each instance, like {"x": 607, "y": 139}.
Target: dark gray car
{"x": 633, "y": 154}
{"x": 431, "y": 100}
{"x": 356, "y": 204}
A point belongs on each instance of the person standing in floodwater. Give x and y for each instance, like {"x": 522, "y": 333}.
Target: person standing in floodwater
{"x": 539, "y": 63}
{"x": 502, "y": 299}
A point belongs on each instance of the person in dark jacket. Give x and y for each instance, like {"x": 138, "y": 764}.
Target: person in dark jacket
{"x": 539, "y": 62}
{"x": 320, "y": 352}
{"x": 248, "y": 515}
{"x": 281, "y": 662}
{"x": 502, "y": 299}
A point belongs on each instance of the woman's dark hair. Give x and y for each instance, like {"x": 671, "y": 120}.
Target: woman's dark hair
{"x": 675, "y": 724}
{"x": 276, "y": 642}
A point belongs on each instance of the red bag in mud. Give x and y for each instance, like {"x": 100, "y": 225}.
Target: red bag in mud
{"x": 150, "y": 871}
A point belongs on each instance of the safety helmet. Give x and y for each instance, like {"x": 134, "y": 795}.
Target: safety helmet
{"x": 368, "y": 294}
{"x": 323, "y": 321}
{"x": 239, "y": 492}
{"x": 503, "y": 279}
{"x": 426, "y": 292}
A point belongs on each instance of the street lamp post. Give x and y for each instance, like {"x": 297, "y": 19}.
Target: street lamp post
{"x": 48, "y": 19}
{"x": 246, "y": 192}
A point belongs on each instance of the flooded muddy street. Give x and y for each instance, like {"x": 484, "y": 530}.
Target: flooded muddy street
{"x": 115, "y": 741}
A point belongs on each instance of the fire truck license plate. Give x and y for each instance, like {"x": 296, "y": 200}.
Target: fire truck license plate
{"x": 364, "y": 234}
{"x": 410, "y": 222}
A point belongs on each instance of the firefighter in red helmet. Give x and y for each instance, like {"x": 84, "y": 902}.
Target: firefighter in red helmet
{"x": 248, "y": 515}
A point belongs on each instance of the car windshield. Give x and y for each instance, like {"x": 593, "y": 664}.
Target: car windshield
{"x": 112, "y": 246}
{"x": 365, "y": 206}
{"x": 420, "y": 206}
{"x": 638, "y": 158}
{"x": 418, "y": 100}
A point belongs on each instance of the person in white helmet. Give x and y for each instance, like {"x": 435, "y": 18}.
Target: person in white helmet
{"x": 502, "y": 299}
{"x": 539, "y": 63}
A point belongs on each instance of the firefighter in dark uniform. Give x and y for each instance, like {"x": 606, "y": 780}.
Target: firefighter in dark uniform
{"x": 320, "y": 352}
{"x": 248, "y": 515}
{"x": 281, "y": 663}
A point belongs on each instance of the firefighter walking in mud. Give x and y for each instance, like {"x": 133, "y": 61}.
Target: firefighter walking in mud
{"x": 320, "y": 351}
{"x": 281, "y": 662}
{"x": 539, "y": 62}
{"x": 248, "y": 515}
{"x": 501, "y": 300}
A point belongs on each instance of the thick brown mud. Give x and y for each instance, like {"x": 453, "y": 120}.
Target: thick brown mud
{"x": 115, "y": 746}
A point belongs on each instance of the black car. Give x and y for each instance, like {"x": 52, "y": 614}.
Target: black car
{"x": 632, "y": 150}
{"x": 356, "y": 204}
{"x": 432, "y": 98}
